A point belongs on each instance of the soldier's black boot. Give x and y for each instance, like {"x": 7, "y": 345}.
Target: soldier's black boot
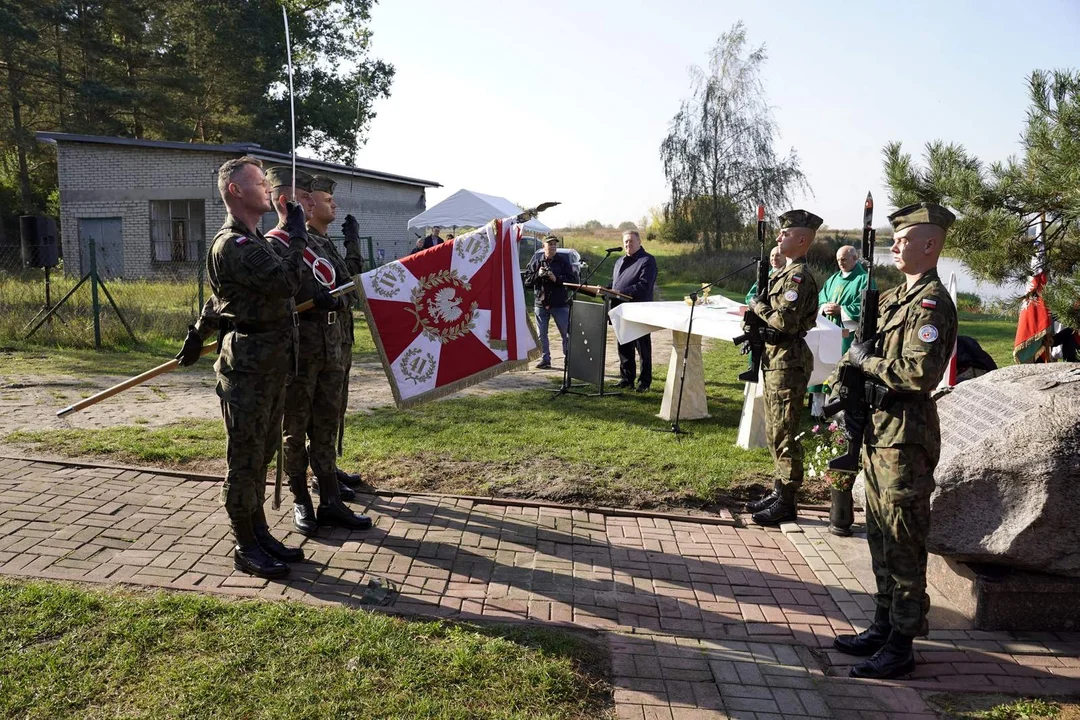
{"x": 271, "y": 544}
{"x": 782, "y": 510}
{"x": 895, "y": 659}
{"x": 333, "y": 512}
{"x": 304, "y": 519}
{"x": 347, "y": 493}
{"x": 870, "y": 640}
{"x": 350, "y": 480}
{"x": 764, "y": 502}
{"x": 249, "y": 557}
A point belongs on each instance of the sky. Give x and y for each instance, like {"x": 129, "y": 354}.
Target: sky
{"x": 569, "y": 101}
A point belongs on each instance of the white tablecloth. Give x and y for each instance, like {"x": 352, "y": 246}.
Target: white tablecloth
{"x": 721, "y": 318}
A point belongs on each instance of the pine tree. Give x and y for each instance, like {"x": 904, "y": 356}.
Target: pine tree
{"x": 1004, "y": 208}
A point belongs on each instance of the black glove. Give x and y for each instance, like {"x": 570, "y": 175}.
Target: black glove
{"x": 860, "y": 352}
{"x": 192, "y": 350}
{"x": 295, "y": 222}
{"x": 759, "y": 304}
{"x": 351, "y": 229}
{"x": 324, "y": 301}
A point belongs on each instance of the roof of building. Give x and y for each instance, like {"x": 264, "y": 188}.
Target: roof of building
{"x": 242, "y": 148}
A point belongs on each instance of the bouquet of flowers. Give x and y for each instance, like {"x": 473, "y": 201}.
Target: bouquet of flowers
{"x": 822, "y": 443}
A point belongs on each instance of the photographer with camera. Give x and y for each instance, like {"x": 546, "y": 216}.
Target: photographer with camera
{"x": 546, "y": 273}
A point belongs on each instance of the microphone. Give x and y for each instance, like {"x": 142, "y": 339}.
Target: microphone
{"x": 614, "y": 249}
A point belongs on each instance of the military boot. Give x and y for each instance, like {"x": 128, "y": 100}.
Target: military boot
{"x": 248, "y": 555}
{"x": 347, "y": 493}
{"x": 271, "y": 544}
{"x": 350, "y": 480}
{"x": 764, "y": 502}
{"x": 333, "y": 512}
{"x": 870, "y": 640}
{"x": 782, "y": 510}
{"x": 895, "y": 659}
{"x": 304, "y": 519}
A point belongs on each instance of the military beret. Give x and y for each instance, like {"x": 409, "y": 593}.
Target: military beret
{"x": 923, "y": 213}
{"x": 799, "y": 219}
{"x": 321, "y": 183}
{"x": 281, "y": 176}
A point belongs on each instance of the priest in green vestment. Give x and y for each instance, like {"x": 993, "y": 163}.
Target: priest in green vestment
{"x": 840, "y": 300}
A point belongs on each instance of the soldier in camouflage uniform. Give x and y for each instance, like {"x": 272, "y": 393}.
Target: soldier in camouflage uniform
{"x": 313, "y": 397}
{"x": 789, "y": 309}
{"x": 324, "y": 213}
{"x": 903, "y": 364}
{"x": 252, "y": 308}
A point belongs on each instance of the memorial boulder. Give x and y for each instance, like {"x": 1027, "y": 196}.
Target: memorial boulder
{"x": 1008, "y": 483}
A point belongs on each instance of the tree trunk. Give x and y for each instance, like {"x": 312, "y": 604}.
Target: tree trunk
{"x": 17, "y": 130}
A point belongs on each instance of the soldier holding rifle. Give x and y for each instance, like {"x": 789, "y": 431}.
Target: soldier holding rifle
{"x": 901, "y": 365}
{"x": 787, "y": 309}
{"x": 253, "y": 292}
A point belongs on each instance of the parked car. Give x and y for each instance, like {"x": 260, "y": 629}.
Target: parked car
{"x": 575, "y": 262}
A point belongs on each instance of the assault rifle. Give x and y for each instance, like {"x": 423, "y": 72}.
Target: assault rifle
{"x": 753, "y": 339}
{"x": 852, "y": 381}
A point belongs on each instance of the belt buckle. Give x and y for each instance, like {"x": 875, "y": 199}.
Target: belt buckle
{"x": 331, "y": 317}
{"x": 295, "y": 319}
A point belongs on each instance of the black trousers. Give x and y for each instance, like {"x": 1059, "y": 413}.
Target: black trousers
{"x": 627, "y": 366}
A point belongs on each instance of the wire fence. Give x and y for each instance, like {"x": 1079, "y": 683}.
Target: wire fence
{"x": 70, "y": 305}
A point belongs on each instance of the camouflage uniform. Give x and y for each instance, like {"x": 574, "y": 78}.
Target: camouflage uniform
{"x": 916, "y": 333}
{"x": 253, "y": 289}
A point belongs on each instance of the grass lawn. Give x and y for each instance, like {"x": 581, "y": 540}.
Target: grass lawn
{"x": 68, "y": 652}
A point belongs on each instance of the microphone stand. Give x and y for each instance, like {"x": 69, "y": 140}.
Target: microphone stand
{"x": 675, "y": 429}
{"x": 567, "y": 387}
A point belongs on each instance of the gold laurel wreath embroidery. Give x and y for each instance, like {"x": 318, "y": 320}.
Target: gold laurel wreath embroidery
{"x": 446, "y": 335}
{"x": 406, "y": 363}
{"x": 394, "y": 274}
{"x": 476, "y": 246}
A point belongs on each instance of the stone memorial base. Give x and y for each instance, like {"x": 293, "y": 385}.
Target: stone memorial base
{"x": 997, "y": 598}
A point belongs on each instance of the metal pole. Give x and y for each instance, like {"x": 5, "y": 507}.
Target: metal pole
{"x": 48, "y": 298}
{"x": 94, "y": 293}
{"x": 371, "y": 252}
{"x": 201, "y": 250}
{"x": 292, "y": 106}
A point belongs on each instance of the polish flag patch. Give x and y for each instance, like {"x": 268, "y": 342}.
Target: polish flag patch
{"x": 241, "y": 239}
{"x": 929, "y": 303}
{"x": 797, "y": 278}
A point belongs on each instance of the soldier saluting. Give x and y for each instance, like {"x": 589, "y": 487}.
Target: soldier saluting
{"x": 313, "y": 396}
{"x": 789, "y": 309}
{"x": 902, "y": 365}
{"x": 253, "y": 289}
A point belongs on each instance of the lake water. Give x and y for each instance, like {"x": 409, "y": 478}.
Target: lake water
{"x": 965, "y": 281}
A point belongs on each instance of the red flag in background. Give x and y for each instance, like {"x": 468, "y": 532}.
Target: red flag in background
{"x": 450, "y": 316}
{"x": 1033, "y": 330}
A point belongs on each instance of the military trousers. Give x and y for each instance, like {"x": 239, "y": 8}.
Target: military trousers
{"x": 899, "y": 482}
{"x": 346, "y": 361}
{"x": 312, "y": 413}
{"x": 251, "y": 406}
{"x": 784, "y": 392}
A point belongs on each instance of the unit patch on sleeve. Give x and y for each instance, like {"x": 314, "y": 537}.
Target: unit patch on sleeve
{"x": 928, "y": 333}
{"x": 791, "y": 296}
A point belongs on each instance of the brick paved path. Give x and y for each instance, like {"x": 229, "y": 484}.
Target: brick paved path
{"x": 703, "y": 620}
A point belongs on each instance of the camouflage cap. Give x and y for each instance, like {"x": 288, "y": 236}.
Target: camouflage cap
{"x": 799, "y": 219}
{"x": 551, "y": 239}
{"x": 322, "y": 183}
{"x": 281, "y": 176}
{"x": 923, "y": 213}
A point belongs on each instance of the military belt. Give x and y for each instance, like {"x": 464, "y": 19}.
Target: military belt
{"x": 776, "y": 337}
{"x": 328, "y": 318}
{"x": 262, "y": 327}
{"x": 882, "y": 397}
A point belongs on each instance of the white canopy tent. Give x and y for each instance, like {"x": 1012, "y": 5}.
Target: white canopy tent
{"x": 468, "y": 209}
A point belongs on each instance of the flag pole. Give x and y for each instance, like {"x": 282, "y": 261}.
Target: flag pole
{"x": 292, "y": 106}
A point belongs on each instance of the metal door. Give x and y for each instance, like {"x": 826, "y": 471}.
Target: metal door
{"x": 109, "y": 240}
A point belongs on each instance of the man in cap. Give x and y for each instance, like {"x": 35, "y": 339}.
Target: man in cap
{"x": 313, "y": 396}
{"x": 902, "y": 365}
{"x": 789, "y": 309}
{"x": 546, "y": 273}
{"x": 324, "y": 213}
{"x": 256, "y": 319}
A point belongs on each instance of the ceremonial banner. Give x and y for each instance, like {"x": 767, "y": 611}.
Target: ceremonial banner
{"x": 948, "y": 380}
{"x": 1033, "y": 330}
{"x": 450, "y": 316}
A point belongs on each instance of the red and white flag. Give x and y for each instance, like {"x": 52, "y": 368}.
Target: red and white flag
{"x": 1034, "y": 325}
{"x": 949, "y": 378}
{"x": 452, "y": 315}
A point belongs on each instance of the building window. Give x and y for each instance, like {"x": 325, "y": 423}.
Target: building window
{"x": 176, "y": 229}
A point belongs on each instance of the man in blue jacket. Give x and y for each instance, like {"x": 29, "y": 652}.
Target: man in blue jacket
{"x": 635, "y": 275}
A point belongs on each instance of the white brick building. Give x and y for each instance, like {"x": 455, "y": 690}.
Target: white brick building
{"x": 153, "y": 206}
